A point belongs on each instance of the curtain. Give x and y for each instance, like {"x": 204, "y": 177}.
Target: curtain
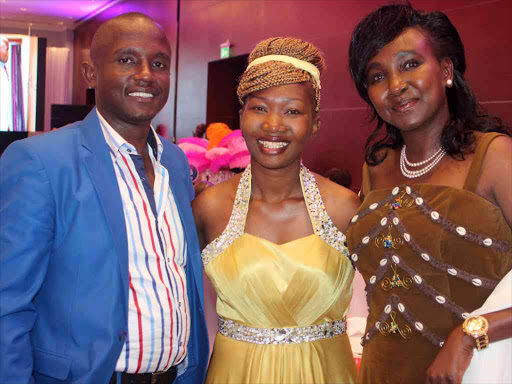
{"x": 58, "y": 80}
{"x": 17, "y": 89}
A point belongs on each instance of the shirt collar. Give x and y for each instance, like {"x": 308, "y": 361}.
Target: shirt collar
{"x": 118, "y": 144}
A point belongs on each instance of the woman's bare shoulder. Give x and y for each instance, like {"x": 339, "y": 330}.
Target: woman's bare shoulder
{"x": 217, "y": 197}
{"x": 212, "y": 208}
{"x": 341, "y": 203}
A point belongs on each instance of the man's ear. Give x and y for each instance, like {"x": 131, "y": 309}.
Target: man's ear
{"x": 89, "y": 73}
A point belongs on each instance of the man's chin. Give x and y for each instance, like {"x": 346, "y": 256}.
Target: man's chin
{"x": 128, "y": 116}
{"x": 141, "y": 117}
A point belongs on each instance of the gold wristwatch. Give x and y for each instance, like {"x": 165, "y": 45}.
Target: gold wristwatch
{"x": 476, "y": 327}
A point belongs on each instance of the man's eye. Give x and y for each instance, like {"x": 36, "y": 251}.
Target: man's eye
{"x": 125, "y": 60}
{"x": 258, "y": 108}
{"x": 293, "y": 112}
{"x": 159, "y": 64}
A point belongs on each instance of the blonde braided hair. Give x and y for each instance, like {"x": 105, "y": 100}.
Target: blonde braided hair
{"x": 272, "y": 73}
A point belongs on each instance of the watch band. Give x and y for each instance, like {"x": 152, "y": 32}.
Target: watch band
{"x": 482, "y": 342}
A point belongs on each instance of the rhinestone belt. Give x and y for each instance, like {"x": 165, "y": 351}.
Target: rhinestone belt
{"x": 240, "y": 332}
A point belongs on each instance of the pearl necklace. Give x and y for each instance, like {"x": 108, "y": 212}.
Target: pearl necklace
{"x": 434, "y": 159}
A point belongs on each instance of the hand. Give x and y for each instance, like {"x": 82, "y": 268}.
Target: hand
{"x": 453, "y": 360}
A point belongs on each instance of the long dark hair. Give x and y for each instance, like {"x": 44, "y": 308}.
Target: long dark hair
{"x": 466, "y": 115}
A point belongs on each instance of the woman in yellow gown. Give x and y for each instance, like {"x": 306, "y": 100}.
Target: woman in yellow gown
{"x": 276, "y": 252}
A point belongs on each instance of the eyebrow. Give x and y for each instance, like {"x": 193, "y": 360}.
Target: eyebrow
{"x": 376, "y": 65}
{"x": 284, "y": 99}
{"x": 406, "y": 53}
{"x": 135, "y": 51}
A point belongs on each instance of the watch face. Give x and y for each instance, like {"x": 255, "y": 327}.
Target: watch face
{"x": 476, "y": 325}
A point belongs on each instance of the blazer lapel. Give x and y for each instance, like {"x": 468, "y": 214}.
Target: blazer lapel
{"x": 99, "y": 165}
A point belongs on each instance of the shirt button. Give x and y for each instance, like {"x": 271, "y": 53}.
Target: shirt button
{"x": 122, "y": 335}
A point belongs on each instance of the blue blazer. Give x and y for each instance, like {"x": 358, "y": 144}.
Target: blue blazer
{"x": 64, "y": 260}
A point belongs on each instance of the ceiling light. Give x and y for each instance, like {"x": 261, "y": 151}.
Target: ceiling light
{"x": 23, "y": 9}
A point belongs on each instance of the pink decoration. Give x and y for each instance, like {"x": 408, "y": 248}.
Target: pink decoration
{"x": 231, "y": 153}
{"x": 227, "y": 139}
{"x": 219, "y": 158}
{"x": 195, "y": 155}
{"x": 191, "y": 148}
{"x": 194, "y": 140}
{"x": 240, "y": 160}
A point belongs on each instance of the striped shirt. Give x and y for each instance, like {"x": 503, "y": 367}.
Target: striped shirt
{"x": 158, "y": 311}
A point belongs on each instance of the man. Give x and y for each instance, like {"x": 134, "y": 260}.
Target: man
{"x": 5, "y": 88}
{"x": 100, "y": 275}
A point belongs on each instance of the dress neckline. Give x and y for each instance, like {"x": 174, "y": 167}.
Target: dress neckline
{"x": 419, "y": 186}
{"x": 322, "y": 224}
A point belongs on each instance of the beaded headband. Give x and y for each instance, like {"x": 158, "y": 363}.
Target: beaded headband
{"x": 300, "y": 64}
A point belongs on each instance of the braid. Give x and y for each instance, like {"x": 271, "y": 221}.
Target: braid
{"x": 272, "y": 73}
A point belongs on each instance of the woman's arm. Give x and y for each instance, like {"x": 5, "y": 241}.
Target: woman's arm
{"x": 212, "y": 210}
{"x": 454, "y": 358}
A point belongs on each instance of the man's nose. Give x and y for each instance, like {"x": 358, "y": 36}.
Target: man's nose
{"x": 143, "y": 71}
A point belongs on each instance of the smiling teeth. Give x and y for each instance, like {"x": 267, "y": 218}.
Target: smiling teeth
{"x": 273, "y": 144}
{"x": 141, "y": 94}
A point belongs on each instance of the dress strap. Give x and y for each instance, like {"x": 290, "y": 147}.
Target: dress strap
{"x": 322, "y": 223}
{"x": 483, "y": 141}
{"x": 236, "y": 224}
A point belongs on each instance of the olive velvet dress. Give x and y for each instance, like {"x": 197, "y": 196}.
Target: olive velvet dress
{"x": 430, "y": 255}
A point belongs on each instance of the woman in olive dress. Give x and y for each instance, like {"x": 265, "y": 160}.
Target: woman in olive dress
{"x": 433, "y": 236}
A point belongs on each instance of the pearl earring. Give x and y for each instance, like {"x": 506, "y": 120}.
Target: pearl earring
{"x": 449, "y": 83}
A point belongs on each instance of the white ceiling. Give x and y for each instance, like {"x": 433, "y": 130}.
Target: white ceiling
{"x": 56, "y": 15}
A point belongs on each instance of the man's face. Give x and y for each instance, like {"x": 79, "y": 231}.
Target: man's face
{"x": 4, "y": 51}
{"x": 133, "y": 73}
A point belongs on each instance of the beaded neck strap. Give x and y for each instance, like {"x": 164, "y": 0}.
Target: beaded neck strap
{"x": 322, "y": 223}
{"x": 236, "y": 224}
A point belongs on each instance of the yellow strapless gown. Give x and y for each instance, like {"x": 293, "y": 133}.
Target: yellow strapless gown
{"x": 265, "y": 285}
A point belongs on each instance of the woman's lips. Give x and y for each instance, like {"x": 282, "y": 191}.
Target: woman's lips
{"x": 405, "y": 105}
{"x": 272, "y": 147}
